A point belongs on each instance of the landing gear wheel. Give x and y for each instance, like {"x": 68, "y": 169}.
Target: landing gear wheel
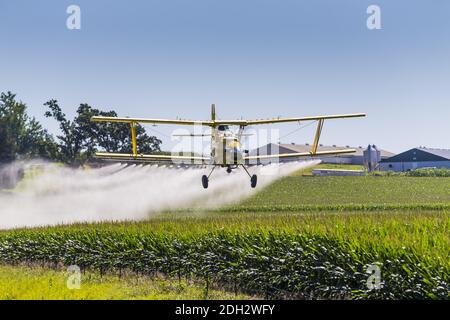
{"x": 205, "y": 181}
{"x": 229, "y": 169}
{"x": 253, "y": 180}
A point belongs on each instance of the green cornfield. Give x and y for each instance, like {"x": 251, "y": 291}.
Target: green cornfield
{"x": 290, "y": 256}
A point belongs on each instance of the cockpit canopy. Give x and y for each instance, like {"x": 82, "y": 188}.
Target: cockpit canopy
{"x": 222, "y": 127}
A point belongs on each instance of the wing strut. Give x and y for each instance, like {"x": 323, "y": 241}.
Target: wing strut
{"x": 133, "y": 138}
{"x": 317, "y": 137}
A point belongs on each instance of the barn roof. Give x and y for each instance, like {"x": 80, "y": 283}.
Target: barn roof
{"x": 359, "y": 150}
{"x": 444, "y": 153}
{"x": 289, "y": 147}
{"x": 421, "y": 154}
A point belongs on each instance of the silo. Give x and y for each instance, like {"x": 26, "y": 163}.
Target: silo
{"x": 372, "y": 156}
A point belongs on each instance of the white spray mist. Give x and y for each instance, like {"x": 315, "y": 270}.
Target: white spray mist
{"x": 60, "y": 195}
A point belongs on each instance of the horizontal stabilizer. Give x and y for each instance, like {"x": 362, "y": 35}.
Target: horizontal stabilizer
{"x": 192, "y": 135}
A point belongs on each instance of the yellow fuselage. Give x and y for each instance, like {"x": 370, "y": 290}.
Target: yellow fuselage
{"x": 225, "y": 147}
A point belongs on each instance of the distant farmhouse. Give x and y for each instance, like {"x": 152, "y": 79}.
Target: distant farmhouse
{"x": 350, "y": 158}
{"x": 417, "y": 158}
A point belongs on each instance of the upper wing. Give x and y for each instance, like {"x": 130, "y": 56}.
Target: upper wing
{"x": 280, "y": 120}
{"x": 145, "y": 120}
{"x": 212, "y": 123}
{"x": 299, "y": 154}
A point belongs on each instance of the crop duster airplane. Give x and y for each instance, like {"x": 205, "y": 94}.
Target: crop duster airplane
{"x": 225, "y": 144}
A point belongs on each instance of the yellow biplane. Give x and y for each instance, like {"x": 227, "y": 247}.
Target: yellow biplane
{"x": 225, "y": 144}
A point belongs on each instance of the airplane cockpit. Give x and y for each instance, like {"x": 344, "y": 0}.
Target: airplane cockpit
{"x": 223, "y": 127}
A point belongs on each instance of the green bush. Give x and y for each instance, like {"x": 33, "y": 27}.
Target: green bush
{"x": 429, "y": 172}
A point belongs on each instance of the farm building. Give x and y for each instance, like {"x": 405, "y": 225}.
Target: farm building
{"x": 417, "y": 158}
{"x": 350, "y": 158}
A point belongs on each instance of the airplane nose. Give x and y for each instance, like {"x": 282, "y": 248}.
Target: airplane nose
{"x": 233, "y": 156}
{"x": 237, "y": 155}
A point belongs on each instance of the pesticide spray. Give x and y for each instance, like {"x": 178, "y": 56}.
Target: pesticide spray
{"x": 52, "y": 194}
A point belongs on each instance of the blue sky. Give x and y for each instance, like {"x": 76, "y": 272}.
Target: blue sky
{"x": 253, "y": 59}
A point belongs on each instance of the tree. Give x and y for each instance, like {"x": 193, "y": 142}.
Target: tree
{"x": 81, "y": 138}
{"x": 20, "y": 135}
{"x": 24, "y": 137}
{"x": 70, "y": 144}
{"x": 111, "y": 137}
{"x": 37, "y": 142}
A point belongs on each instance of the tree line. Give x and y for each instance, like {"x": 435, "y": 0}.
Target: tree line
{"x": 23, "y": 137}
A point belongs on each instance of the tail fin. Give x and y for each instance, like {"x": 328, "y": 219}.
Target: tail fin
{"x": 213, "y": 112}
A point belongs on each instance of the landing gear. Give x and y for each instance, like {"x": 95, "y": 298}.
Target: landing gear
{"x": 253, "y": 180}
{"x": 205, "y": 178}
{"x": 205, "y": 181}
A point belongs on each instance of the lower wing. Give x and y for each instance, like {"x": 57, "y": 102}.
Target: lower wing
{"x": 153, "y": 158}
{"x": 299, "y": 154}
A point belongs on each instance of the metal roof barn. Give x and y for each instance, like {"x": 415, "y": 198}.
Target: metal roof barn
{"x": 417, "y": 158}
{"x": 350, "y": 158}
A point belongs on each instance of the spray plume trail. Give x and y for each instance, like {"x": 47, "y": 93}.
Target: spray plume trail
{"x": 60, "y": 195}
